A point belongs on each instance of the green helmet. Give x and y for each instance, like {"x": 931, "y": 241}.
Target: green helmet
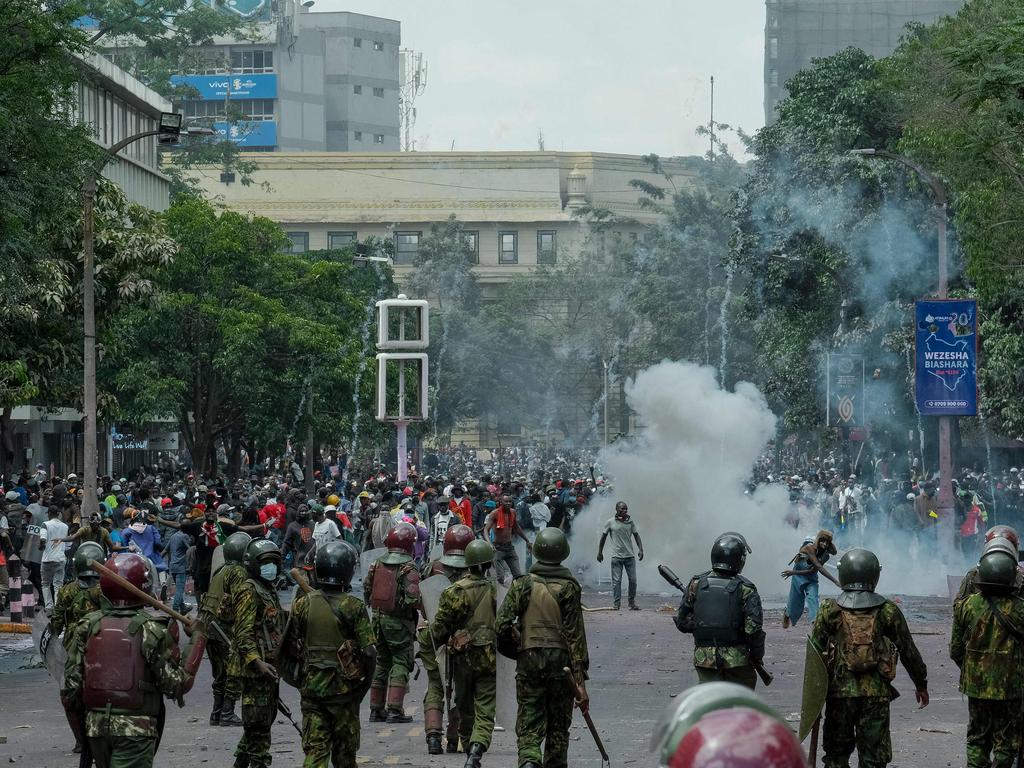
{"x": 479, "y": 552}
{"x": 1002, "y": 546}
{"x": 550, "y": 547}
{"x": 859, "y": 571}
{"x": 335, "y": 563}
{"x": 996, "y": 573}
{"x": 234, "y": 547}
{"x": 87, "y": 551}
{"x": 257, "y": 551}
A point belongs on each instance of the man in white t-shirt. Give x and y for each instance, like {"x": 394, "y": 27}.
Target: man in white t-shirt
{"x": 326, "y": 530}
{"x": 51, "y": 536}
{"x": 443, "y": 520}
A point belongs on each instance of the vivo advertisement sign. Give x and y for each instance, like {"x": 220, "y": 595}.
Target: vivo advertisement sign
{"x": 249, "y": 133}
{"x": 210, "y": 87}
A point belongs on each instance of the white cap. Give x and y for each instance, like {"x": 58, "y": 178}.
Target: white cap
{"x": 12, "y": 496}
{"x": 72, "y": 476}
{"x": 330, "y": 508}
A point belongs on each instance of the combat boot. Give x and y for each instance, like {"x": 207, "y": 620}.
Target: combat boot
{"x": 228, "y": 717}
{"x": 377, "y": 705}
{"x": 453, "y": 731}
{"x": 218, "y": 702}
{"x": 476, "y": 753}
{"x": 432, "y": 727}
{"x": 396, "y": 710}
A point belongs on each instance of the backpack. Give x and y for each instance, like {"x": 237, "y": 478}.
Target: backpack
{"x": 862, "y": 649}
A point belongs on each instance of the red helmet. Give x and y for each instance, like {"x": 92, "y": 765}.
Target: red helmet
{"x": 738, "y": 737}
{"x": 130, "y": 567}
{"x": 1003, "y": 532}
{"x": 456, "y": 539}
{"x": 401, "y": 539}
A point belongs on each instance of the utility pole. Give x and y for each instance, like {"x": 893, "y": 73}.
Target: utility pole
{"x": 711, "y": 123}
{"x": 309, "y": 440}
{"x": 605, "y": 401}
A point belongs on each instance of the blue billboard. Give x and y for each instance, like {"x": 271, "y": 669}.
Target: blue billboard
{"x": 211, "y": 87}
{"x": 249, "y": 133}
{"x": 946, "y": 343}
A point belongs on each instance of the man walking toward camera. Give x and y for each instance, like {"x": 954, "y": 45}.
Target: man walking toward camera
{"x": 622, "y": 530}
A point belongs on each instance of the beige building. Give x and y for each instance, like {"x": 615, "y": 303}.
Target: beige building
{"x": 519, "y": 207}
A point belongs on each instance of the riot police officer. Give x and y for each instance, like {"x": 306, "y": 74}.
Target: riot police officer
{"x": 722, "y": 610}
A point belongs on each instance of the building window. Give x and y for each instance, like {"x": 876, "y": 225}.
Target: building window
{"x": 357, "y": 135}
{"x": 298, "y": 242}
{"x": 357, "y": 42}
{"x": 336, "y": 240}
{"x": 378, "y": 138}
{"x": 546, "y": 246}
{"x": 773, "y": 47}
{"x": 252, "y": 62}
{"x": 378, "y": 45}
{"x": 357, "y": 90}
{"x": 378, "y": 92}
{"x": 473, "y": 244}
{"x": 508, "y": 247}
{"x": 250, "y": 109}
{"x": 407, "y": 245}
{"x": 773, "y": 78}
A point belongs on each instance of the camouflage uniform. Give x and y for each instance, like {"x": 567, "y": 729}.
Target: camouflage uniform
{"x": 319, "y": 624}
{"x": 728, "y": 663}
{"x": 395, "y": 632}
{"x": 218, "y": 608}
{"x": 433, "y": 699}
{"x": 969, "y": 585}
{"x": 72, "y": 605}
{"x": 470, "y": 605}
{"x": 857, "y": 705}
{"x": 989, "y": 658}
{"x": 257, "y": 636}
{"x": 120, "y": 739}
{"x": 544, "y": 696}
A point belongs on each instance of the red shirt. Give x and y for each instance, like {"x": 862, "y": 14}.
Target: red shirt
{"x": 273, "y": 510}
{"x": 464, "y": 510}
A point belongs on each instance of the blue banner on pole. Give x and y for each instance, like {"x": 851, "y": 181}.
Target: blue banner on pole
{"x": 210, "y": 87}
{"x": 946, "y": 343}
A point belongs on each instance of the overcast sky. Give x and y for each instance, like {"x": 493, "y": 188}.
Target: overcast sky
{"x": 597, "y": 76}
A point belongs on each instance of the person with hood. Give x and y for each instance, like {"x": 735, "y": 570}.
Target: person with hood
{"x": 139, "y": 536}
{"x": 807, "y": 564}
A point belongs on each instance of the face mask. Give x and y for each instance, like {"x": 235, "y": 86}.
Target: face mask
{"x": 268, "y": 572}
{"x": 138, "y": 527}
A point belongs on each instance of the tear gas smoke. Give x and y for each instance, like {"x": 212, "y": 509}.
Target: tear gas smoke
{"x": 684, "y": 478}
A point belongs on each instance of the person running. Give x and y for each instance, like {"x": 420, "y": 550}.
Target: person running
{"x": 807, "y": 564}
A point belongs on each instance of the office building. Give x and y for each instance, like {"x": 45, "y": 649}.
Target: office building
{"x": 797, "y": 31}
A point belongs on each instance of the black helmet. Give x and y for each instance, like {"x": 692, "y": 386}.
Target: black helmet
{"x": 996, "y": 573}
{"x": 335, "y": 563}
{"x": 87, "y": 551}
{"x": 739, "y": 536}
{"x": 859, "y": 570}
{"x": 729, "y": 553}
{"x": 479, "y": 552}
{"x": 550, "y": 547}
{"x": 256, "y": 552}
{"x": 235, "y": 545}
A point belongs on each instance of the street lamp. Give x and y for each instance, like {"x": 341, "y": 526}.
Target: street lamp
{"x": 168, "y": 130}
{"x": 945, "y": 453}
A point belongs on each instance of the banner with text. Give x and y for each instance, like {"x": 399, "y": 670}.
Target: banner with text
{"x": 209, "y": 87}
{"x": 946, "y": 343}
{"x": 845, "y": 390}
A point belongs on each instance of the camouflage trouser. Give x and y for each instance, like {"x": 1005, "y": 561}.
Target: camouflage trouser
{"x": 861, "y": 722}
{"x": 745, "y": 676}
{"x": 545, "y": 715}
{"x": 259, "y": 709}
{"x": 434, "y": 697}
{"x": 395, "y": 641}
{"x": 123, "y": 751}
{"x": 330, "y": 732}
{"x": 993, "y": 729}
{"x": 223, "y": 683}
{"x": 476, "y": 696}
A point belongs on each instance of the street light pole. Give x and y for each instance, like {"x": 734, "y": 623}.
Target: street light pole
{"x": 945, "y": 504}
{"x": 605, "y": 401}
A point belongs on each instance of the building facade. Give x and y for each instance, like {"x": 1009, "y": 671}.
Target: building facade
{"x": 309, "y": 82}
{"x": 797, "y": 31}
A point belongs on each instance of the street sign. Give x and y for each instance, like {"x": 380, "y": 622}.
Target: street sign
{"x": 845, "y": 390}
{"x": 946, "y": 356}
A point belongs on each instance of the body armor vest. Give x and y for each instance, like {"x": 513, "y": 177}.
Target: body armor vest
{"x": 542, "y": 621}
{"x": 269, "y": 622}
{"x": 481, "y": 622}
{"x": 116, "y": 673}
{"x": 213, "y": 600}
{"x": 324, "y": 633}
{"x": 384, "y": 595}
{"x": 718, "y": 611}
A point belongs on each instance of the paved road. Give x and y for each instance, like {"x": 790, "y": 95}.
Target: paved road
{"x": 638, "y": 661}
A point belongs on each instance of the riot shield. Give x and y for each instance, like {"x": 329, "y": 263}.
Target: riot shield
{"x": 506, "y": 705}
{"x": 430, "y": 593}
{"x": 815, "y": 690}
{"x": 49, "y": 647}
{"x": 366, "y": 559}
{"x": 217, "y": 561}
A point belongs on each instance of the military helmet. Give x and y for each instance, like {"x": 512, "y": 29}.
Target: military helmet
{"x": 87, "y": 551}
{"x": 996, "y": 573}
{"x": 235, "y": 545}
{"x": 1003, "y": 547}
{"x": 738, "y": 737}
{"x": 479, "y": 552}
{"x": 729, "y": 553}
{"x": 257, "y": 552}
{"x": 400, "y": 543}
{"x": 1003, "y": 532}
{"x": 132, "y": 568}
{"x": 456, "y": 539}
{"x": 690, "y": 706}
{"x": 550, "y": 547}
{"x": 739, "y": 536}
{"x": 859, "y": 571}
{"x": 335, "y": 563}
